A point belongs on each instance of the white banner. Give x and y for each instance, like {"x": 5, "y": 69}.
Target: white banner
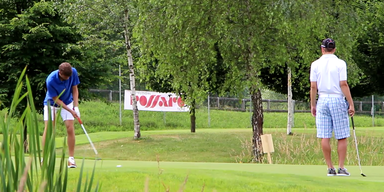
{"x": 154, "y": 101}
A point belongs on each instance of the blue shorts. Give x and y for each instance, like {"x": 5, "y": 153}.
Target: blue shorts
{"x": 332, "y": 116}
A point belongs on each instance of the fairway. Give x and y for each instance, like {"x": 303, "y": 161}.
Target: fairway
{"x": 177, "y": 160}
{"x": 131, "y": 176}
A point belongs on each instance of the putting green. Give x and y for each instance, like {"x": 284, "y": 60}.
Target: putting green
{"x": 374, "y": 173}
{"x": 118, "y": 175}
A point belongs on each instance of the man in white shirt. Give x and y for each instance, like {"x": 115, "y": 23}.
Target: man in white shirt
{"x": 329, "y": 80}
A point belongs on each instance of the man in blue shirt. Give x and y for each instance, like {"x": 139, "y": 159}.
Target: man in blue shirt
{"x": 62, "y": 92}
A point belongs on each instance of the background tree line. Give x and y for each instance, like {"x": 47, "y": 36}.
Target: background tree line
{"x": 192, "y": 48}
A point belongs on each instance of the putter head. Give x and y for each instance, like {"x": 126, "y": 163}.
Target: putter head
{"x": 362, "y": 174}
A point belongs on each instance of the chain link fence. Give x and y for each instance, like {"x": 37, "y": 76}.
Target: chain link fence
{"x": 269, "y": 105}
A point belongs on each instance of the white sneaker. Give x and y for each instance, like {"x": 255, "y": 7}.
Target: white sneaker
{"x": 71, "y": 162}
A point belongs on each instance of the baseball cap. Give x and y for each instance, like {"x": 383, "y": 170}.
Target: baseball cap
{"x": 328, "y": 43}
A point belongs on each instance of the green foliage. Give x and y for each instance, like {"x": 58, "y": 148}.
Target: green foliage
{"x": 183, "y": 44}
{"x": 102, "y": 24}
{"x": 307, "y": 24}
{"x": 20, "y": 170}
{"x": 38, "y": 37}
{"x": 369, "y": 48}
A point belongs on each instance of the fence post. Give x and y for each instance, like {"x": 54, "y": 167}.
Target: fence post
{"x": 242, "y": 104}
{"x": 293, "y": 106}
{"x": 209, "y": 115}
{"x": 218, "y": 102}
{"x": 382, "y": 107}
{"x": 373, "y": 111}
{"x": 110, "y": 95}
{"x": 120, "y": 96}
{"x": 361, "y": 106}
{"x": 269, "y": 105}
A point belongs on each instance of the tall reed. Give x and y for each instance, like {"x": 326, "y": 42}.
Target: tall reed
{"x": 21, "y": 170}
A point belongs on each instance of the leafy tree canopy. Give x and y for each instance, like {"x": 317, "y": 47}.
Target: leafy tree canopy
{"x": 38, "y": 37}
{"x": 369, "y": 49}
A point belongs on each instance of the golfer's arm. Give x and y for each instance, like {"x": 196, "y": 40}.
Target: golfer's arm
{"x": 347, "y": 93}
{"x": 61, "y": 103}
{"x": 75, "y": 94}
{"x": 313, "y": 93}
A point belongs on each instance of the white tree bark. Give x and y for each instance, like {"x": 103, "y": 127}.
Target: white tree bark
{"x": 131, "y": 78}
{"x": 290, "y": 103}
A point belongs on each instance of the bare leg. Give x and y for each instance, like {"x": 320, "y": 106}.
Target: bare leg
{"x": 45, "y": 133}
{"x": 325, "y": 144}
{"x": 342, "y": 151}
{"x": 71, "y": 136}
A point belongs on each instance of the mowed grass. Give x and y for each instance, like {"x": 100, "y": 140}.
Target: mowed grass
{"x": 177, "y": 160}
{"x": 226, "y": 146}
{"x": 119, "y": 176}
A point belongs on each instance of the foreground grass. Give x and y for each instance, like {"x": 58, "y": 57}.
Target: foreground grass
{"x": 177, "y": 176}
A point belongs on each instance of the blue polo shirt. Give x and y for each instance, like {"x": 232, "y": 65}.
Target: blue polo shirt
{"x": 55, "y": 86}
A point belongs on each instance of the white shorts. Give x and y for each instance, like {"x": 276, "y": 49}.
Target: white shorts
{"x": 65, "y": 115}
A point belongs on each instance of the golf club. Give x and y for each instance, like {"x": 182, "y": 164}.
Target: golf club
{"x": 357, "y": 150}
{"x": 89, "y": 139}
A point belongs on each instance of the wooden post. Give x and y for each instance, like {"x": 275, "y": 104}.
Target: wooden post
{"x": 267, "y": 143}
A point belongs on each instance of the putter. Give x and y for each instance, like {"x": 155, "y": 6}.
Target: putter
{"x": 89, "y": 139}
{"x": 357, "y": 150}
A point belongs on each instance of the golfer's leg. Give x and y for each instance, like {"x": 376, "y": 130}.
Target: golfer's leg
{"x": 53, "y": 116}
{"x": 44, "y": 134}
{"x": 70, "y": 137}
{"x": 326, "y": 146}
{"x": 342, "y": 151}
{"x": 324, "y": 128}
{"x": 341, "y": 125}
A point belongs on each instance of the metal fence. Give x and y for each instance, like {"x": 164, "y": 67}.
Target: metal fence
{"x": 109, "y": 95}
{"x": 235, "y": 104}
{"x": 269, "y": 105}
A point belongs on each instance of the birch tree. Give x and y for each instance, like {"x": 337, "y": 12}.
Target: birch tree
{"x": 180, "y": 35}
{"x": 111, "y": 22}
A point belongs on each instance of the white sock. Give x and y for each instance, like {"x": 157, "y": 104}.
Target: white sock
{"x": 71, "y": 158}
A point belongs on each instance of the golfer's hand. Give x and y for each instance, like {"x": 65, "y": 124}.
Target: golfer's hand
{"x": 351, "y": 110}
{"x": 74, "y": 114}
{"x": 313, "y": 111}
{"x": 76, "y": 109}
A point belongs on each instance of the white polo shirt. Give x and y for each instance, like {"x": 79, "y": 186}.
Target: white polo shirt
{"x": 328, "y": 71}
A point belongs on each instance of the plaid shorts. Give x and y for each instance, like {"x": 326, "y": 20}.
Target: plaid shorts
{"x": 332, "y": 116}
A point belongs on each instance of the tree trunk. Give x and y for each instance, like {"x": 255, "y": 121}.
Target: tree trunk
{"x": 132, "y": 78}
{"x": 193, "y": 117}
{"x": 290, "y": 103}
{"x": 257, "y": 124}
